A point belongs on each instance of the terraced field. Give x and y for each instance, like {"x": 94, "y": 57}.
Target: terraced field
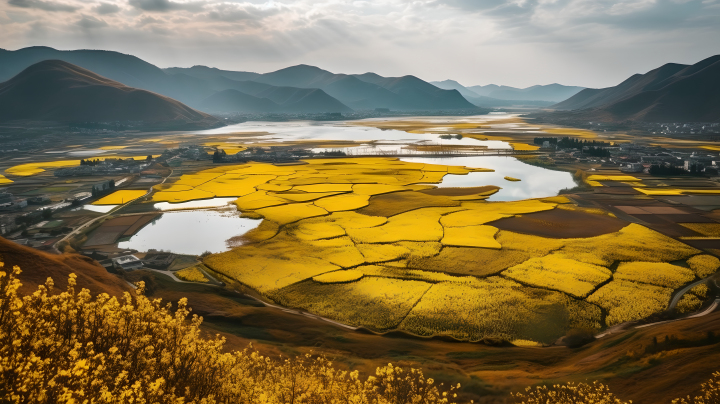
{"x": 371, "y": 242}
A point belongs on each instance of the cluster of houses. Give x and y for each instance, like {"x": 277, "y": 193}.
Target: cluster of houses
{"x": 638, "y": 158}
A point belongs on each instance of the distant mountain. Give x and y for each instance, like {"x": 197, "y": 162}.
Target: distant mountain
{"x": 365, "y": 91}
{"x": 126, "y": 69}
{"x": 54, "y": 90}
{"x": 191, "y": 86}
{"x": 478, "y": 95}
{"x": 670, "y": 93}
{"x": 228, "y": 101}
{"x": 550, "y": 92}
{"x": 454, "y": 85}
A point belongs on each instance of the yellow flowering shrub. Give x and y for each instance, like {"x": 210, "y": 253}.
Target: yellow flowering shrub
{"x": 571, "y": 393}
{"x": 192, "y": 274}
{"x": 710, "y": 393}
{"x": 70, "y": 348}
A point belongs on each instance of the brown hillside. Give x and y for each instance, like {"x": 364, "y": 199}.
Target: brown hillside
{"x": 37, "y": 266}
{"x": 53, "y": 90}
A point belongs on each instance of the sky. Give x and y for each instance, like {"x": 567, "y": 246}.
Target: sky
{"x": 591, "y": 43}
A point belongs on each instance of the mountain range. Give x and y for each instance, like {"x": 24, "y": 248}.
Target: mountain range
{"x": 54, "y": 90}
{"x": 671, "y": 93}
{"x": 358, "y": 91}
{"x": 302, "y": 88}
{"x": 493, "y": 95}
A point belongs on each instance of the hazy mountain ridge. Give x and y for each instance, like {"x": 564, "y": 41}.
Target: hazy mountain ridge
{"x": 670, "y": 93}
{"x": 364, "y": 91}
{"x": 54, "y": 90}
{"x": 189, "y": 86}
{"x": 493, "y": 94}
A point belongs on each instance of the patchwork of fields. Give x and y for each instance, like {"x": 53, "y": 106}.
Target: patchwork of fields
{"x": 370, "y": 242}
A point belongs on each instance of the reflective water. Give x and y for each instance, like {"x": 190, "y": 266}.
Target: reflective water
{"x": 99, "y": 208}
{"x": 312, "y": 131}
{"x": 535, "y": 182}
{"x": 202, "y": 203}
{"x": 191, "y": 232}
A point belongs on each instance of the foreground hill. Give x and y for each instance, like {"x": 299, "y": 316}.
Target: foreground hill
{"x": 54, "y": 90}
{"x": 37, "y": 266}
{"x": 670, "y": 93}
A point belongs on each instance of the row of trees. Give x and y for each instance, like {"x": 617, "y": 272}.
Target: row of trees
{"x": 662, "y": 169}
{"x": 570, "y": 142}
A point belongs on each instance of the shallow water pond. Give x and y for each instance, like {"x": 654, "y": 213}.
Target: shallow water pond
{"x": 200, "y": 203}
{"x": 191, "y": 232}
{"x": 535, "y": 182}
{"x": 389, "y": 139}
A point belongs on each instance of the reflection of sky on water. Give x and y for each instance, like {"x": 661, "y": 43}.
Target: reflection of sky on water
{"x": 191, "y": 232}
{"x": 313, "y": 131}
{"x": 202, "y": 203}
{"x": 99, "y": 208}
{"x": 536, "y": 182}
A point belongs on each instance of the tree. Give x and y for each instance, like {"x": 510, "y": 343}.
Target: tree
{"x": 47, "y": 214}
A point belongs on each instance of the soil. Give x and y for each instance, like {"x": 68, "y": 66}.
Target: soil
{"x": 399, "y": 202}
{"x": 561, "y": 224}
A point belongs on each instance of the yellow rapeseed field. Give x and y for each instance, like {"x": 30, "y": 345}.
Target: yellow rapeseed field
{"x": 192, "y": 274}
{"x": 377, "y": 303}
{"x": 350, "y": 275}
{"x": 326, "y": 235}
{"x": 120, "y": 197}
{"x": 559, "y": 273}
{"x": 704, "y": 265}
{"x": 471, "y": 236}
{"x": 655, "y": 273}
{"x": 500, "y": 309}
{"x": 628, "y": 301}
{"x": 688, "y": 303}
{"x": 706, "y": 229}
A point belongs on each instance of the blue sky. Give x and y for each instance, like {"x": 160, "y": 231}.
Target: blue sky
{"x": 593, "y": 43}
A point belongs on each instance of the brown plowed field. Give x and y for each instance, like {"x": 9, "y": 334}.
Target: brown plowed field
{"x": 561, "y": 224}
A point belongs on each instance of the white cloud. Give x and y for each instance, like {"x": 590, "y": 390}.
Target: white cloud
{"x": 514, "y": 42}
